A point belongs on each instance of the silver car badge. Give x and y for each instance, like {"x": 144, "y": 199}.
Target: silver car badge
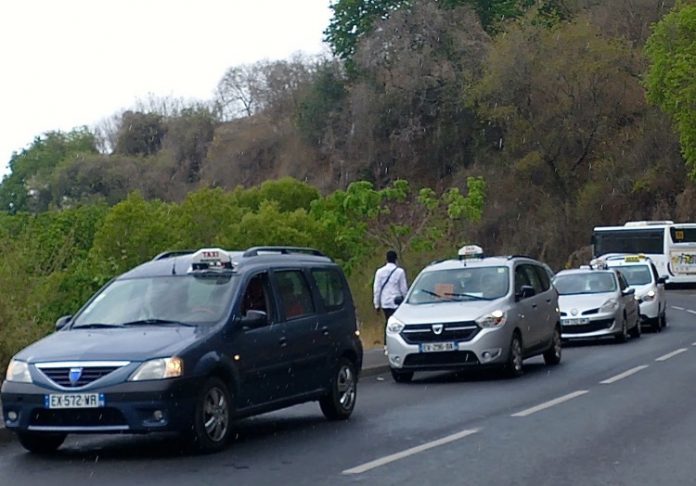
{"x": 437, "y": 328}
{"x": 574, "y": 312}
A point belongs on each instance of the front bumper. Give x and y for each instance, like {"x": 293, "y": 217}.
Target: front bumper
{"x": 649, "y": 311}
{"x": 488, "y": 347}
{"x": 599, "y": 325}
{"x": 128, "y": 408}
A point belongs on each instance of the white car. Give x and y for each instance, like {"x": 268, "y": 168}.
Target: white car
{"x": 641, "y": 274}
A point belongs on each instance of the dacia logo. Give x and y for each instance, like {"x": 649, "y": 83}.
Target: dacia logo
{"x": 75, "y": 375}
{"x": 437, "y": 328}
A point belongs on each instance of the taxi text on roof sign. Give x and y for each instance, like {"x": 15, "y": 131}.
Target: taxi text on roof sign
{"x": 470, "y": 251}
{"x": 211, "y": 259}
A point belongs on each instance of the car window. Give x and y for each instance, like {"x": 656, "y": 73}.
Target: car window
{"x": 623, "y": 285}
{"x": 331, "y": 290}
{"x": 294, "y": 294}
{"x": 585, "y": 283}
{"x": 521, "y": 278}
{"x": 533, "y": 278}
{"x": 257, "y": 296}
{"x": 544, "y": 277}
{"x": 636, "y": 274}
{"x": 463, "y": 284}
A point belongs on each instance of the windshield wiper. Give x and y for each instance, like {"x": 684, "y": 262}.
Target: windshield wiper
{"x": 157, "y": 322}
{"x": 472, "y": 296}
{"x": 96, "y": 325}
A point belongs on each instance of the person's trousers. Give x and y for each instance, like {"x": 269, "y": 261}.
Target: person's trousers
{"x": 387, "y": 314}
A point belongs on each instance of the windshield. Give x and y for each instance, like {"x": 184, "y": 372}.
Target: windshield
{"x": 636, "y": 274}
{"x": 585, "y": 283}
{"x": 469, "y": 283}
{"x": 182, "y": 299}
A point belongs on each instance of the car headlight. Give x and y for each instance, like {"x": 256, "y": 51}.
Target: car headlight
{"x": 159, "y": 369}
{"x": 609, "y": 306}
{"x": 495, "y": 319}
{"x": 18, "y": 371}
{"x": 649, "y": 297}
{"x": 394, "y": 326}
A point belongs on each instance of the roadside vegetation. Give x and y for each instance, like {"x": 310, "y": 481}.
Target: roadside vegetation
{"x": 518, "y": 124}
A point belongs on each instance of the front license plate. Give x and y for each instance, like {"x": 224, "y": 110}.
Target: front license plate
{"x": 437, "y": 347}
{"x": 575, "y": 322}
{"x": 74, "y": 400}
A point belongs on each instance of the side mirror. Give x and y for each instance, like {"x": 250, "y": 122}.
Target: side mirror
{"x": 526, "y": 291}
{"x": 254, "y": 319}
{"x": 662, "y": 280}
{"x": 399, "y": 299}
{"x": 62, "y": 322}
{"x": 629, "y": 291}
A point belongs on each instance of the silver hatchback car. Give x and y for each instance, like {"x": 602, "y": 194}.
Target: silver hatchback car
{"x": 475, "y": 311}
{"x": 596, "y": 303}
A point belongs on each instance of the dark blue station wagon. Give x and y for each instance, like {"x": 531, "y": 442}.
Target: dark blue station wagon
{"x": 189, "y": 342}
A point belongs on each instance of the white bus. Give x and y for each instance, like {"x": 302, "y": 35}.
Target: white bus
{"x": 671, "y": 246}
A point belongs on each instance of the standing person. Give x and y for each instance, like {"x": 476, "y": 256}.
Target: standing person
{"x": 390, "y": 282}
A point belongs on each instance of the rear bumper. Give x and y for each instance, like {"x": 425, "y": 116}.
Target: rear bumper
{"x": 128, "y": 408}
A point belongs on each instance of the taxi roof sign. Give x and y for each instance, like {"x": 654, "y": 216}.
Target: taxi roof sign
{"x": 211, "y": 260}
{"x": 470, "y": 251}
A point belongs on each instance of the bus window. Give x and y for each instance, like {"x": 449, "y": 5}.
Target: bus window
{"x": 648, "y": 241}
{"x": 682, "y": 235}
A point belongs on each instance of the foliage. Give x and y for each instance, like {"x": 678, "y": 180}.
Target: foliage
{"x": 671, "y": 79}
{"x": 27, "y": 187}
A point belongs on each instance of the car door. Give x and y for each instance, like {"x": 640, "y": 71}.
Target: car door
{"x": 523, "y": 307}
{"x": 261, "y": 352}
{"x": 661, "y": 293}
{"x": 628, "y": 301}
{"x": 306, "y": 344}
{"x": 537, "y": 313}
{"x": 549, "y": 303}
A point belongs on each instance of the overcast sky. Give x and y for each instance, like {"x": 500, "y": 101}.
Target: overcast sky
{"x": 69, "y": 63}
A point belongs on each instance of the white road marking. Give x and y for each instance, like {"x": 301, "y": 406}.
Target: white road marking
{"x": 691, "y": 311}
{"x": 693, "y": 344}
{"x": 671, "y": 355}
{"x": 550, "y": 403}
{"x": 409, "y": 452}
{"x": 678, "y": 308}
{"x": 623, "y": 375}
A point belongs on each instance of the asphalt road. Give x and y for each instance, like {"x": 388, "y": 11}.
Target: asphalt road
{"x": 610, "y": 414}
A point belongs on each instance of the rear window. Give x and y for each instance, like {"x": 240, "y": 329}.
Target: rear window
{"x": 331, "y": 289}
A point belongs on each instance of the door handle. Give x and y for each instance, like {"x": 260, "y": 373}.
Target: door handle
{"x": 325, "y": 330}
{"x": 283, "y": 342}
{"x": 534, "y": 306}
{"x": 548, "y": 301}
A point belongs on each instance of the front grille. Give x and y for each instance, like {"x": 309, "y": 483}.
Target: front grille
{"x": 591, "y": 311}
{"x": 451, "y": 331}
{"x": 61, "y": 376}
{"x": 88, "y": 417}
{"x": 593, "y": 326}
{"x": 448, "y": 358}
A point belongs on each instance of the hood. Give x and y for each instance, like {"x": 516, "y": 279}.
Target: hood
{"x": 446, "y": 311}
{"x": 583, "y": 302}
{"x": 119, "y": 344}
{"x": 643, "y": 289}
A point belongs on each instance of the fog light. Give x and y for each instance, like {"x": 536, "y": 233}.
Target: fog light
{"x": 490, "y": 354}
{"x": 158, "y": 415}
{"x": 486, "y": 355}
{"x": 394, "y": 358}
{"x": 12, "y": 416}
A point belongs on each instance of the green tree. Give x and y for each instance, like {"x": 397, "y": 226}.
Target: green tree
{"x": 28, "y": 186}
{"x": 671, "y": 78}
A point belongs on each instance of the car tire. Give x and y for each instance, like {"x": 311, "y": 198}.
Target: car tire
{"x": 40, "y": 443}
{"x": 513, "y": 367}
{"x": 339, "y": 403}
{"x": 622, "y": 336}
{"x": 552, "y": 356}
{"x": 657, "y": 324}
{"x": 212, "y": 420}
{"x": 402, "y": 376}
{"x": 636, "y": 331}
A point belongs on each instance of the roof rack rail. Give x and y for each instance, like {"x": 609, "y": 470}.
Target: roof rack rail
{"x": 173, "y": 253}
{"x": 510, "y": 257}
{"x": 283, "y": 250}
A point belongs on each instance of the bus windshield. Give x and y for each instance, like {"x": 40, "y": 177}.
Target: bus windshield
{"x": 648, "y": 241}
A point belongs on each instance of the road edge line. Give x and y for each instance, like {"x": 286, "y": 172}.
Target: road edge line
{"x": 623, "y": 375}
{"x": 550, "y": 403}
